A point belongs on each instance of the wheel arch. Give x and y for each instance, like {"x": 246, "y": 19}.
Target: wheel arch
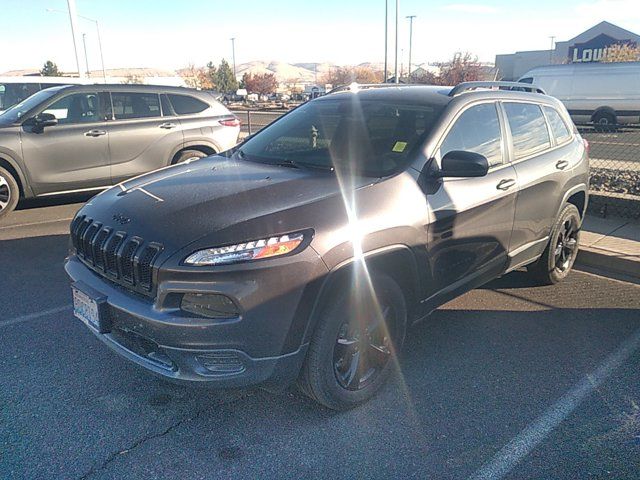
{"x": 578, "y": 196}
{"x": 397, "y": 261}
{"x": 206, "y": 147}
{"x": 8, "y": 164}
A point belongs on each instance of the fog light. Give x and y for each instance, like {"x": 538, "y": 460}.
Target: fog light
{"x": 221, "y": 362}
{"x": 210, "y": 305}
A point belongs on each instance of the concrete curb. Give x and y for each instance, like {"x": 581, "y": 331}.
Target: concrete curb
{"x": 606, "y": 261}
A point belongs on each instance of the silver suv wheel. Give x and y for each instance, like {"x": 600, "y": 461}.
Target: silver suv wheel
{"x": 9, "y": 192}
{"x": 5, "y": 193}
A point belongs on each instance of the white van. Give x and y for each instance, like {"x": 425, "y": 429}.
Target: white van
{"x": 15, "y": 89}
{"x": 602, "y": 93}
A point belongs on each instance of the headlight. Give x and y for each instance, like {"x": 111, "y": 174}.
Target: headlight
{"x": 242, "y": 252}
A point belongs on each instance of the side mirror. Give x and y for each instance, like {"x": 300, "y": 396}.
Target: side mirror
{"x": 43, "y": 120}
{"x": 459, "y": 163}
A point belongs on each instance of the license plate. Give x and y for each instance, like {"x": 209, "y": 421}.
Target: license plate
{"x": 86, "y": 309}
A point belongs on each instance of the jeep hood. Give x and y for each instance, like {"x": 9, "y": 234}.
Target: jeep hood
{"x": 181, "y": 204}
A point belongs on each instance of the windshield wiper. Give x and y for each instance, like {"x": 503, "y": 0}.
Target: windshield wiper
{"x": 294, "y": 164}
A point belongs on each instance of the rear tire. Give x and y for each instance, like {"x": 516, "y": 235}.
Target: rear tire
{"x": 561, "y": 252}
{"x": 353, "y": 349}
{"x": 188, "y": 155}
{"x": 9, "y": 192}
{"x": 604, "y": 121}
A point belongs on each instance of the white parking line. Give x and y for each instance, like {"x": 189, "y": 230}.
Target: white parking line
{"x": 33, "y": 316}
{"x": 529, "y": 438}
{"x": 46, "y": 222}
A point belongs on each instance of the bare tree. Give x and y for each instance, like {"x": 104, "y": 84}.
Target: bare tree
{"x": 622, "y": 52}
{"x": 346, "y": 75}
{"x": 261, "y": 83}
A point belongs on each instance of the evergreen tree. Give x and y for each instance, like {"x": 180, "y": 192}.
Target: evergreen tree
{"x": 224, "y": 79}
{"x": 50, "y": 69}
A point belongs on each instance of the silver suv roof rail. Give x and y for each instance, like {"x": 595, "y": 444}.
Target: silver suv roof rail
{"x": 468, "y": 86}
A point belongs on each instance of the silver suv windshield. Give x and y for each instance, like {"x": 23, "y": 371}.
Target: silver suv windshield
{"x": 364, "y": 137}
{"x": 15, "y": 113}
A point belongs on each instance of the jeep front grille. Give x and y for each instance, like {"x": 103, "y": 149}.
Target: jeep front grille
{"x": 124, "y": 259}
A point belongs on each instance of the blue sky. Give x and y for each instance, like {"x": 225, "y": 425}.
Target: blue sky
{"x": 173, "y": 33}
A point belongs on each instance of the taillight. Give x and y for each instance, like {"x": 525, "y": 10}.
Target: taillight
{"x": 230, "y": 122}
{"x": 586, "y": 145}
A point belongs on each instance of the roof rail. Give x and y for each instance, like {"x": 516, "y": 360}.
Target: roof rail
{"x": 468, "y": 86}
{"x": 363, "y": 86}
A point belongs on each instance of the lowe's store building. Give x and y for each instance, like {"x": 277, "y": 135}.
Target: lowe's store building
{"x": 587, "y": 47}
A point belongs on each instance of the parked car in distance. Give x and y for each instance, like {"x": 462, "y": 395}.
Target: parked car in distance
{"x": 89, "y": 137}
{"x": 603, "y": 93}
{"x": 306, "y": 252}
{"x": 13, "y": 90}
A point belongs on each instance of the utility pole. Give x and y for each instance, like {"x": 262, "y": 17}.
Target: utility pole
{"x": 553, "y": 38}
{"x": 386, "y": 40}
{"x": 233, "y": 53}
{"x": 397, "y": 80}
{"x": 104, "y": 72}
{"x": 410, "y": 17}
{"x": 73, "y": 14}
{"x": 86, "y": 58}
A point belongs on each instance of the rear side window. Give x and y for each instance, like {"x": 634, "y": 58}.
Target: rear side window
{"x": 558, "y": 127}
{"x": 135, "y": 105}
{"x": 476, "y": 130}
{"x": 185, "y": 105}
{"x": 528, "y": 129}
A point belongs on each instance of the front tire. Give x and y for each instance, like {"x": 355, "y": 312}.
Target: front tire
{"x": 352, "y": 352}
{"x": 9, "y": 192}
{"x": 558, "y": 258}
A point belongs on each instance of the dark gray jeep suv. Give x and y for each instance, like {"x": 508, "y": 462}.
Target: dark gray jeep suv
{"x": 306, "y": 252}
{"x": 87, "y": 137}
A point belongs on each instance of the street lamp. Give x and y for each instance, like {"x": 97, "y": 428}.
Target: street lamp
{"x": 233, "y": 53}
{"x": 86, "y": 58}
{"x": 386, "y": 28}
{"x": 397, "y": 80}
{"x": 104, "y": 72}
{"x": 410, "y": 17}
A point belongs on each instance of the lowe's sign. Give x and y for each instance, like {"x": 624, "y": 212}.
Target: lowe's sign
{"x": 595, "y": 50}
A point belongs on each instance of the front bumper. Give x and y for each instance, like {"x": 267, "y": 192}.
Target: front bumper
{"x": 262, "y": 346}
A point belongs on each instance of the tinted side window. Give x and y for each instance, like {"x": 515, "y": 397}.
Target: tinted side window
{"x": 558, "y": 127}
{"x": 476, "y": 130}
{"x": 528, "y": 128}
{"x": 135, "y": 105}
{"x": 184, "y": 104}
{"x": 526, "y": 80}
{"x": 13, "y": 93}
{"x": 76, "y": 108}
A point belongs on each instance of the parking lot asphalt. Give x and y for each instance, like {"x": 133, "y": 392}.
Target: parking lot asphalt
{"x": 507, "y": 381}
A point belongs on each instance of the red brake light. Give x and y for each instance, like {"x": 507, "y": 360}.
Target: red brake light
{"x": 586, "y": 145}
{"x": 230, "y": 122}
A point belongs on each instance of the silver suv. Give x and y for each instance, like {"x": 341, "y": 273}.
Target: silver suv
{"x": 87, "y": 137}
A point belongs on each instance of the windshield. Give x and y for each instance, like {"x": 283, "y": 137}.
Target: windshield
{"x": 17, "y": 111}
{"x": 364, "y": 137}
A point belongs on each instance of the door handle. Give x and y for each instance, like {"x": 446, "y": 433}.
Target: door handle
{"x": 562, "y": 164}
{"x": 168, "y": 125}
{"x": 506, "y": 184}
{"x": 95, "y": 133}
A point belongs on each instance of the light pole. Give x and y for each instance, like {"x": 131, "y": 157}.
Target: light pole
{"x": 86, "y": 58}
{"x": 71, "y": 6}
{"x": 233, "y": 53}
{"x": 410, "y": 17}
{"x": 397, "y": 80}
{"x": 386, "y": 35}
{"x": 104, "y": 73}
